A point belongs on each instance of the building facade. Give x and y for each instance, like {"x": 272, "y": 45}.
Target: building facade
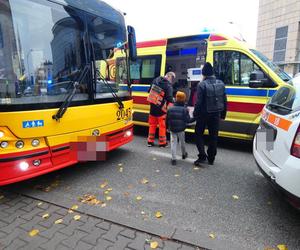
{"x": 278, "y": 33}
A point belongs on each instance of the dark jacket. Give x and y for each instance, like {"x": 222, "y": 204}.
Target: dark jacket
{"x": 211, "y": 98}
{"x": 164, "y": 84}
{"x": 178, "y": 117}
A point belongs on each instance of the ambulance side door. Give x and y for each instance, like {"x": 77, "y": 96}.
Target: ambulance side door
{"x": 234, "y": 67}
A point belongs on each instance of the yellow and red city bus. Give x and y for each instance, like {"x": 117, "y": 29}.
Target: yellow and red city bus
{"x": 233, "y": 62}
{"x": 55, "y": 107}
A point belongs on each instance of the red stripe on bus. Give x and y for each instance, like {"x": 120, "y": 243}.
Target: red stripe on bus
{"x": 252, "y": 108}
{"x": 151, "y": 43}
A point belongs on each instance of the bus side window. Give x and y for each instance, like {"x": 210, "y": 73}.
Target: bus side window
{"x": 143, "y": 70}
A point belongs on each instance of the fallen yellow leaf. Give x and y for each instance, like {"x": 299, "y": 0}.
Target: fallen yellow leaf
{"x": 143, "y": 213}
{"x": 33, "y": 232}
{"x": 153, "y": 245}
{"x": 58, "y": 221}
{"x": 235, "y": 197}
{"x": 212, "y": 236}
{"x": 1, "y": 197}
{"x": 126, "y": 194}
{"x": 282, "y": 247}
{"x": 177, "y": 175}
{"x": 103, "y": 185}
{"x": 158, "y": 214}
{"x": 144, "y": 181}
{"x": 138, "y": 198}
{"x": 70, "y": 211}
{"x": 77, "y": 217}
{"x": 121, "y": 169}
{"x": 108, "y": 198}
{"x": 74, "y": 207}
{"x": 103, "y": 205}
{"x": 40, "y": 204}
{"x": 109, "y": 189}
{"x": 157, "y": 170}
{"x": 154, "y": 159}
{"x": 196, "y": 168}
{"x": 120, "y": 164}
{"x": 46, "y": 216}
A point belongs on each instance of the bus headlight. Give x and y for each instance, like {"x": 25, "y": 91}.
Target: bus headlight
{"x": 19, "y": 144}
{"x": 1, "y": 134}
{"x": 24, "y": 165}
{"x": 4, "y": 144}
{"x": 128, "y": 133}
{"x": 35, "y": 142}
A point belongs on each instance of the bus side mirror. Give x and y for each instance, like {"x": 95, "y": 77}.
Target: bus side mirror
{"x": 132, "y": 43}
{"x": 259, "y": 80}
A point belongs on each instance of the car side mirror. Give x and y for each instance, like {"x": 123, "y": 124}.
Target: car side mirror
{"x": 259, "y": 80}
{"x": 132, "y": 43}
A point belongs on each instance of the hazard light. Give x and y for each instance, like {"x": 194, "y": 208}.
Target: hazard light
{"x": 217, "y": 38}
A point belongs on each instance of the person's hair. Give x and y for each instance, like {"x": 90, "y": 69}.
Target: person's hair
{"x": 172, "y": 74}
{"x": 180, "y": 96}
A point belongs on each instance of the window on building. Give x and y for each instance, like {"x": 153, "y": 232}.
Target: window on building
{"x": 233, "y": 68}
{"x": 280, "y": 44}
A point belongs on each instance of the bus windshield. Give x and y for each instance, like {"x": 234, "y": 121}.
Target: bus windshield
{"x": 284, "y": 76}
{"x": 43, "y": 52}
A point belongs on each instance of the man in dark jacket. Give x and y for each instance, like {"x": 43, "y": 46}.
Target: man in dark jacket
{"x": 211, "y": 105}
{"x": 160, "y": 96}
{"x": 177, "y": 119}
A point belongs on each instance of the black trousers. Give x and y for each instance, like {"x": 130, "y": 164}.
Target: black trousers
{"x": 212, "y": 122}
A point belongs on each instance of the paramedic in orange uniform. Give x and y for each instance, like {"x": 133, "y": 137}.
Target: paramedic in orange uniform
{"x": 160, "y": 96}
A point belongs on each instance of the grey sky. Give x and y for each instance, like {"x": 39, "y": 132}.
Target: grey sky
{"x": 154, "y": 19}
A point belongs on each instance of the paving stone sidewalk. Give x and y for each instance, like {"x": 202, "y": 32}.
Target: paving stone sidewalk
{"x": 19, "y": 215}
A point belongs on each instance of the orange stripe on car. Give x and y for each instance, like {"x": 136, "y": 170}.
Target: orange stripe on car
{"x": 279, "y": 122}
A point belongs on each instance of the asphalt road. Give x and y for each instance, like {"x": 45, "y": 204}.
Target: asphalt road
{"x": 197, "y": 200}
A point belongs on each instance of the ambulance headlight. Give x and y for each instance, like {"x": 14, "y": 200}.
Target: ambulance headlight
{"x": 35, "y": 142}
{"x": 4, "y": 144}
{"x": 24, "y": 166}
{"x": 19, "y": 144}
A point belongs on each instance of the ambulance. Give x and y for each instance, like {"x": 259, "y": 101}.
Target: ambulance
{"x": 276, "y": 146}
{"x": 233, "y": 62}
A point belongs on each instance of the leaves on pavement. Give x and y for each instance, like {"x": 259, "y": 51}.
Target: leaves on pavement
{"x": 282, "y": 247}
{"x": 1, "y": 197}
{"x": 138, "y": 198}
{"x": 126, "y": 194}
{"x": 90, "y": 199}
{"x": 235, "y": 197}
{"x": 158, "y": 214}
{"x": 46, "y": 216}
{"x": 59, "y": 221}
{"x": 144, "y": 181}
{"x": 157, "y": 170}
{"x": 196, "y": 168}
{"x": 74, "y": 207}
{"x": 154, "y": 159}
{"x": 121, "y": 169}
{"x": 212, "y": 236}
{"x": 77, "y": 217}
{"x": 40, "y": 204}
{"x": 33, "y": 232}
{"x": 120, "y": 164}
{"x": 176, "y": 175}
{"x": 153, "y": 244}
{"x": 104, "y": 184}
{"x": 108, "y": 198}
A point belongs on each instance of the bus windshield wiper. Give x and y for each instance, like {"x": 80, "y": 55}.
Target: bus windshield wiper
{"x": 115, "y": 96}
{"x": 274, "y": 105}
{"x": 63, "y": 108}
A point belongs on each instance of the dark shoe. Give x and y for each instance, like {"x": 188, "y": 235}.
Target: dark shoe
{"x": 150, "y": 144}
{"x": 185, "y": 155}
{"x": 199, "y": 161}
{"x": 211, "y": 161}
{"x": 173, "y": 162}
{"x": 164, "y": 145}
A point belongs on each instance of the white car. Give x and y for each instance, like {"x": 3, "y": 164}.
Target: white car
{"x": 276, "y": 146}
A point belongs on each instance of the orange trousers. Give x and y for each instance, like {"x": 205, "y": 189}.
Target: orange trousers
{"x": 161, "y": 122}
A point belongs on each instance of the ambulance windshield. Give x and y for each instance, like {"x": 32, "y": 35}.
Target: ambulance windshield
{"x": 284, "y": 76}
